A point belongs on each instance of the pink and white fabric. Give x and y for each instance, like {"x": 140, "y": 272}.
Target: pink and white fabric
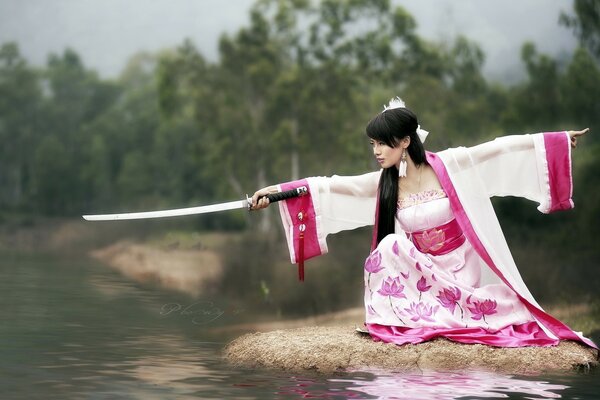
{"x": 412, "y": 296}
{"x": 473, "y": 292}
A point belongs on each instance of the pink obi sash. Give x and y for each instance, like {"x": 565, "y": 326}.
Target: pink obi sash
{"x": 439, "y": 240}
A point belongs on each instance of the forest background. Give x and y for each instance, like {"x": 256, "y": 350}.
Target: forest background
{"x": 288, "y": 97}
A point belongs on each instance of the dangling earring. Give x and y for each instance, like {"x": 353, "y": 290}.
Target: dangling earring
{"x": 403, "y": 165}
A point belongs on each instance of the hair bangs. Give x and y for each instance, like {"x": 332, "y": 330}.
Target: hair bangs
{"x": 380, "y": 129}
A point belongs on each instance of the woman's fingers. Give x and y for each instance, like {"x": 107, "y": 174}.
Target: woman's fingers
{"x": 255, "y": 199}
{"x": 263, "y": 202}
{"x": 259, "y": 199}
{"x": 574, "y": 134}
{"x": 581, "y": 132}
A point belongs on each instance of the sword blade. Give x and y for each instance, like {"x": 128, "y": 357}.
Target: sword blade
{"x": 232, "y": 205}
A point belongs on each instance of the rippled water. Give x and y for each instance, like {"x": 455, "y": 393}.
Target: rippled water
{"x": 72, "y": 328}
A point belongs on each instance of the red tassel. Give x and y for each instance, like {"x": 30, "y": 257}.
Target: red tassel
{"x": 301, "y": 229}
{"x": 301, "y": 257}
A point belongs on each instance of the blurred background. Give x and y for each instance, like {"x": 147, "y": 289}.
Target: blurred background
{"x": 109, "y": 106}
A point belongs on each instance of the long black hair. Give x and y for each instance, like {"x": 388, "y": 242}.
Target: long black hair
{"x": 390, "y": 127}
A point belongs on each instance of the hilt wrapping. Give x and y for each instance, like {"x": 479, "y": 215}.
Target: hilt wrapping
{"x": 288, "y": 194}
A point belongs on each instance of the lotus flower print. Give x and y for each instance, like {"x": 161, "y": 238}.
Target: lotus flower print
{"x": 421, "y": 311}
{"x": 372, "y": 266}
{"x": 373, "y": 262}
{"x": 480, "y": 309}
{"x": 392, "y": 287}
{"x": 422, "y": 285}
{"x": 449, "y": 298}
{"x": 395, "y": 248}
{"x": 412, "y": 252}
{"x": 431, "y": 240}
{"x": 371, "y": 310}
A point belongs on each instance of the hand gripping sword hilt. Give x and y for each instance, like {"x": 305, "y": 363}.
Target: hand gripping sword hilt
{"x": 275, "y": 197}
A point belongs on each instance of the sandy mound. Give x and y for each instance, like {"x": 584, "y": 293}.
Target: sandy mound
{"x": 189, "y": 271}
{"x": 329, "y": 349}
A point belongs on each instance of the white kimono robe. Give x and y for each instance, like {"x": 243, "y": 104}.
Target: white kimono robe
{"x": 536, "y": 167}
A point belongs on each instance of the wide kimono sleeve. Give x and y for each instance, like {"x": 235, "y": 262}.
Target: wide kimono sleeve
{"x": 333, "y": 204}
{"x": 536, "y": 167}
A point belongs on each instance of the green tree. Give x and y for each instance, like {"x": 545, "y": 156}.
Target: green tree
{"x": 75, "y": 98}
{"x": 585, "y": 24}
{"x": 536, "y": 103}
{"x": 52, "y": 176}
{"x": 20, "y": 104}
{"x": 580, "y": 89}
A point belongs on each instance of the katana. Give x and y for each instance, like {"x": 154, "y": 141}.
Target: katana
{"x": 232, "y": 205}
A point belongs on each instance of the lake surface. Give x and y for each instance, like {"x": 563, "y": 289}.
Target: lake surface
{"x": 72, "y": 328}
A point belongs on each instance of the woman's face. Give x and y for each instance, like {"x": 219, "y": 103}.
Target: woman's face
{"x": 385, "y": 155}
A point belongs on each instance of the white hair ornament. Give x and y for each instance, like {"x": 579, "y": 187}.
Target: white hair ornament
{"x": 397, "y": 102}
{"x": 422, "y": 133}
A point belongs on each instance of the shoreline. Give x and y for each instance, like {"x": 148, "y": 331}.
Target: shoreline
{"x": 183, "y": 261}
{"x": 193, "y": 272}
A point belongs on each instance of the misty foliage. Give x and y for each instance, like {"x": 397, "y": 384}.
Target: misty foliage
{"x": 288, "y": 97}
{"x": 585, "y": 24}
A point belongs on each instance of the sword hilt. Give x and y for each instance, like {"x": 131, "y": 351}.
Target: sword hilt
{"x": 275, "y": 197}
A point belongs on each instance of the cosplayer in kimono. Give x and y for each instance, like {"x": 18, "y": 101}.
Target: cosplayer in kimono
{"x": 439, "y": 264}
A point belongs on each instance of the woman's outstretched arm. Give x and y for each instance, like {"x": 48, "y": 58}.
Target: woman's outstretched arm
{"x": 536, "y": 167}
{"x": 364, "y": 185}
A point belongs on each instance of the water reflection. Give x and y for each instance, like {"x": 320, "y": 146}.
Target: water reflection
{"x": 304, "y": 387}
{"x": 172, "y": 360}
{"x": 425, "y": 386}
{"x": 447, "y": 386}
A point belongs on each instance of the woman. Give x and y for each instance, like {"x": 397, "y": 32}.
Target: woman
{"x": 439, "y": 264}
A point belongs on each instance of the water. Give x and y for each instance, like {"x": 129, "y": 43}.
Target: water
{"x": 71, "y": 328}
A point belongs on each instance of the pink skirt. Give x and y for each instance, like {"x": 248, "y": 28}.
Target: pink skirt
{"x": 526, "y": 334}
{"x": 428, "y": 287}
